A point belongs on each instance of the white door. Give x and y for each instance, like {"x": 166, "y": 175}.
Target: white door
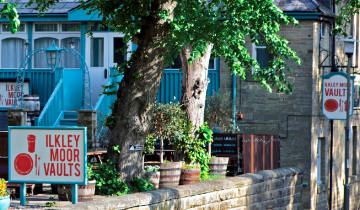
{"x": 103, "y": 52}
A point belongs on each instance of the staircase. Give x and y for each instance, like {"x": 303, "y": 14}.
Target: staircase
{"x": 70, "y": 118}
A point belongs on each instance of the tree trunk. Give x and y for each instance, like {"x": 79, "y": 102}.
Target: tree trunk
{"x": 137, "y": 93}
{"x": 194, "y": 84}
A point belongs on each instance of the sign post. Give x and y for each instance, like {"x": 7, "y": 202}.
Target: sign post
{"x": 47, "y": 155}
{"x": 334, "y": 96}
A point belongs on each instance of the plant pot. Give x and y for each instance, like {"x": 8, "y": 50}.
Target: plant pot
{"x": 154, "y": 178}
{"x": 218, "y": 165}
{"x": 170, "y": 174}
{"x": 189, "y": 175}
{"x": 4, "y": 202}
{"x": 85, "y": 192}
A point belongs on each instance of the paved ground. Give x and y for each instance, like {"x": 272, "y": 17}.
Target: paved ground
{"x": 45, "y": 200}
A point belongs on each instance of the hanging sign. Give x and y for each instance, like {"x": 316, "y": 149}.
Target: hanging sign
{"x": 47, "y": 155}
{"x": 8, "y": 93}
{"x": 334, "y": 92}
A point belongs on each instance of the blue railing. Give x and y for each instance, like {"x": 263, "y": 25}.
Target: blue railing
{"x": 170, "y": 87}
{"x": 53, "y": 109}
{"x": 42, "y": 81}
{"x": 103, "y": 105}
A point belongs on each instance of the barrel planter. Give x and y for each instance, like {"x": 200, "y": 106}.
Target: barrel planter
{"x": 31, "y": 103}
{"x": 189, "y": 175}
{"x": 154, "y": 178}
{"x": 85, "y": 192}
{"x": 170, "y": 174}
{"x": 218, "y": 165}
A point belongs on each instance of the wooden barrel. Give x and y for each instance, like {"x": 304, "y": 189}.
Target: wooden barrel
{"x": 86, "y": 192}
{"x": 31, "y": 103}
{"x": 154, "y": 178}
{"x": 218, "y": 165}
{"x": 170, "y": 174}
{"x": 188, "y": 176}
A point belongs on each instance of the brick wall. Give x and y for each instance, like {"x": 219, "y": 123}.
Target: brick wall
{"x": 271, "y": 189}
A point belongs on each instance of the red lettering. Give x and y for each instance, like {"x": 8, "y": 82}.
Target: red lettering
{"x": 52, "y": 169}
{"x": 71, "y": 165}
{"x": 65, "y": 174}
{"x": 77, "y": 173}
{"x": 46, "y": 169}
{"x": 59, "y": 171}
{"x": 76, "y": 155}
{"x": 54, "y": 156}
{"x": 62, "y": 143}
{"x": 62, "y": 154}
{"x": 69, "y": 141}
{"x": 77, "y": 137}
{"x": 69, "y": 155}
{"x": 57, "y": 143}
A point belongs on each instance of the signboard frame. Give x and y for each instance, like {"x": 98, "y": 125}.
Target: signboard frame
{"x": 84, "y": 131}
{"x": 26, "y": 90}
{"x": 328, "y": 76}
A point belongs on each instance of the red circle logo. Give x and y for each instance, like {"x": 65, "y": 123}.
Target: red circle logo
{"x": 331, "y": 105}
{"x": 23, "y": 164}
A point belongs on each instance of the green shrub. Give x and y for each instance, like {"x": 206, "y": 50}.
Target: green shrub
{"x": 140, "y": 185}
{"x": 108, "y": 181}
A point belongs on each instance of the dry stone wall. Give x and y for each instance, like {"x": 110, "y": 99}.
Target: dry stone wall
{"x": 270, "y": 189}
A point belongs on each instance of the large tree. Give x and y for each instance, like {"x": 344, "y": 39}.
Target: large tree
{"x": 196, "y": 26}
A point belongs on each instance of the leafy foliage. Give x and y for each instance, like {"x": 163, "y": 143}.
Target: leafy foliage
{"x": 140, "y": 185}
{"x": 3, "y": 191}
{"x": 9, "y": 11}
{"x": 108, "y": 181}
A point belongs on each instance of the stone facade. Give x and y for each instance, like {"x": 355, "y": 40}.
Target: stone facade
{"x": 298, "y": 118}
{"x": 275, "y": 189}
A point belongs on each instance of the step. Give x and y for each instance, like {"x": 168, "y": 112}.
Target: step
{"x": 68, "y": 122}
{"x": 70, "y": 115}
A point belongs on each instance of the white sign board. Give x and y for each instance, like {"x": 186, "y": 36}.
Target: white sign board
{"x": 334, "y": 92}
{"x": 8, "y": 93}
{"x": 47, "y": 155}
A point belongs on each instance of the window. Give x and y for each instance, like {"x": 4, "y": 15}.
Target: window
{"x": 320, "y": 161}
{"x": 119, "y": 54}
{"x": 322, "y": 29}
{"x": 96, "y": 27}
{"x": 40, "y": 58}
{"x": 12, "y": 52}
{"x": 69, "y": 60}
{"x": 46, "y": 27}
{"x": 354, "y": 152}
{"x": 6, "y": 28}
{"x": 68, "y": 27}
{"x": 262, "y": 56}
{"x": 97, "y": 52}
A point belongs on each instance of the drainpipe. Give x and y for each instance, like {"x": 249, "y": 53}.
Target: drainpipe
{"x": 234, "y": 102}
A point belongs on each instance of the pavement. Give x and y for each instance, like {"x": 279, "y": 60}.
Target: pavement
{"x": 44, "y": 200}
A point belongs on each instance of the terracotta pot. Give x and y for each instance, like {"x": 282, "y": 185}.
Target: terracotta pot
{"x": 170, "y": 174}
{"x": 190, "y": 175}
{"x": 218, "y": 165}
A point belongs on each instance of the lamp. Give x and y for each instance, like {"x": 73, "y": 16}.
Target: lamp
{"x": 349, "y": 46}
{"x": 72, "y": 44}
{"x": 52, "y": 55}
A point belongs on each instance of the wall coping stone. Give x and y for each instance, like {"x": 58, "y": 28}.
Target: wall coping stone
{"x": 183, "y": 191}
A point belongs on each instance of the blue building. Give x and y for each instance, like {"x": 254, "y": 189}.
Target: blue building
{"x": 85, "y": 63}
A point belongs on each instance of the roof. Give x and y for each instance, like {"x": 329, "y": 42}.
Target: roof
{"x": 322, "y": 6}
{"x": 61, "y": 7}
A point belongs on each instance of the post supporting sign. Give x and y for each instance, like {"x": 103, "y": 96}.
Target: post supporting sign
{"x": 47, "y": 155}
{"x": 334, "y": 93}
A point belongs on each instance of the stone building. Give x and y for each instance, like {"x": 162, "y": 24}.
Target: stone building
{"x": 304, "y": 131}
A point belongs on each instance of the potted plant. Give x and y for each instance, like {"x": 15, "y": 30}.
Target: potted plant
{"x": 218, "y": 165}
{"x": 85, "y": 192}
{"x": 152, "y": 173}
{"x": 190, "y": 173}
{"x": 4, "y": 195}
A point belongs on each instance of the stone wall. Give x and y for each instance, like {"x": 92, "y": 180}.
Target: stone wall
{"x": 270, "y": 189}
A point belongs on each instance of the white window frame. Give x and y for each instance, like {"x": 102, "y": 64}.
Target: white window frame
{"x": 45, "y": 32}
{"x": 61, "y": 24}
{"x": 59, "y": 35}
{"x": 9, "y": 32}
{"x": 18, "y": 35}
